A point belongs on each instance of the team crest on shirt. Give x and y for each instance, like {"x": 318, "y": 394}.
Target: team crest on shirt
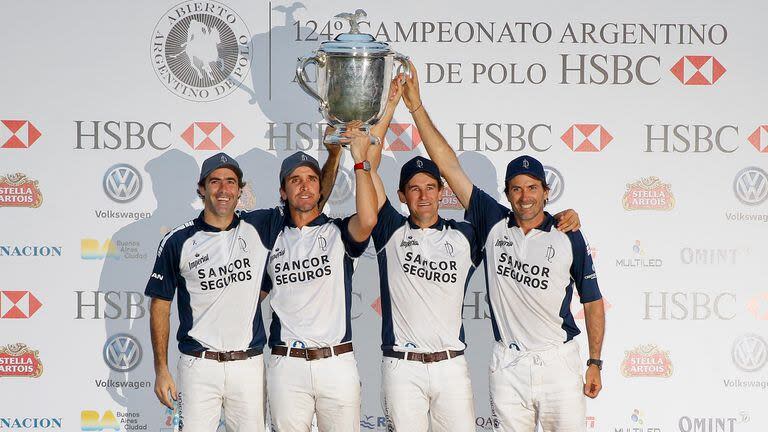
{"x": 449, "y": 248}
{"x": 550, "y": 253}
{"x": 323, "y": 243}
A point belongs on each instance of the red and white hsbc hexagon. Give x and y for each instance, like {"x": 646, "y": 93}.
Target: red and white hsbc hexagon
{"x": 207, "y": 135}
{"x": 18, "y": 304}
{"x": 585, "y": 137}
{"x": 18, "y": 134}
{"x": 402, "y": 137}
{"x": 698, "y": 70}
{"x": 759, "y": 139}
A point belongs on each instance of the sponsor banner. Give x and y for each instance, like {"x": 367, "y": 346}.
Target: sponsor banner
{"x": 646, "y": 361}
{"x": 17, "y": 190}
{"x": 18, "y": 304}
{"x": 18, "y": 360}
{"x": 648, "y": 193}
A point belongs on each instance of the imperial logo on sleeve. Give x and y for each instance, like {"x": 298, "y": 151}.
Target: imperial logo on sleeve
{"x": 646, "y": 361}
{"x": 17, "y": 190}
{"x": 17, "y": 360}
{"x": 649, "y": 193}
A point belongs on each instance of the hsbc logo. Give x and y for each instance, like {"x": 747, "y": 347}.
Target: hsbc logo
{"x": 759, "y": 139}
{"x": 18, "y": 304}
{"x": 122, "y": 183}
{"x": 751, "y": 186}
{"x": 586, "y": 137}
{"x": 207, "y": 135}
{"x": 402, "y": 137}
{"x": 18, "y": 134}
{"x": 698, "y": 70}
{"x": 758, "y": 306}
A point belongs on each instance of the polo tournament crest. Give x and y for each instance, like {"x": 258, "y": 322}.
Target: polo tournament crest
{"x": 201, "y": 50}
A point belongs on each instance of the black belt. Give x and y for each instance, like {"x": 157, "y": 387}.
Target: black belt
{"x": 423, "y": 357}
{"x": 312, "y": 353}
{"x": 225, "y": 356}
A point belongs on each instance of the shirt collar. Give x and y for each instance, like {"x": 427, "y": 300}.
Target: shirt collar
{"x": 200, "y": 221}
{"x": 319, "y": 220}
{"x": 437, "y": 225}
{"x": 546, "y": 225}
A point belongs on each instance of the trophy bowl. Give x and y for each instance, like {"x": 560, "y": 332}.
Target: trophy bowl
{"x": 354, "y": 72}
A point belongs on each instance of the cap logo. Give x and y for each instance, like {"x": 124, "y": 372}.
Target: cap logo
{"x": 303, "y": 158}
{"x": 224, "y": 159}
{"x": 525, "y": 163}
{"x": 420, "y": 164}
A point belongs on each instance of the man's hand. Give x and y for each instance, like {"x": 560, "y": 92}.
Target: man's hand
{"x": 164, "y": 384}
{"x": 593, "y": 383}
{"x": 333, "y": 149}
{"x": 411, "y": 93}
{"x": 568, "y": 220}
{"x": 359, "y": 143}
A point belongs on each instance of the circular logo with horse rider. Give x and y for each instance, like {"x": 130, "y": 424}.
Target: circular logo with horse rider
{"x": 201, "y": 51}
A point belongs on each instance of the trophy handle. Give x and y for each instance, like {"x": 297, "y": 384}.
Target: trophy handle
{"x": 301, "y": 64}
{"x": 403, "y": 64}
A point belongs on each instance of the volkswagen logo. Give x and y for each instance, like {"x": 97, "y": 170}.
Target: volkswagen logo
{"x": 751, "y": 186}
{"x": 750, "y": 353}
{"x": 555, "y": 182}
{"x": 122, "y": 353}
{"x": 122, "y": 183}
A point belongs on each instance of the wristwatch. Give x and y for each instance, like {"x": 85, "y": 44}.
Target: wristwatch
{"x": 596, "y": 362}
{"x": 364, "y": 165}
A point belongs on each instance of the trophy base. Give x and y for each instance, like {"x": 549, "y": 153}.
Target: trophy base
{"x": 336, "y": 137}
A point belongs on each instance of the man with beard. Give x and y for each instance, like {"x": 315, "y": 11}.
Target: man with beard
{"x": 531, "y": 270}
{"x": 425, "y": 263}
{"x": 216, "y": 263}
{"x": 312, "y": 369}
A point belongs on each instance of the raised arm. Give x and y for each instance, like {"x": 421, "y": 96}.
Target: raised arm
{"x": 329, "y": 171}
{"x": 437, "y": 147}
{"x": 362, "y": 223}
{"x": 379, "y": 130}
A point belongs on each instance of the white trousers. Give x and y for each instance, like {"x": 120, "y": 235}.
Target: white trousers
{"x": 205, "y": 386}
{"x": 419, "y": 395}
{"x": 299, "y": 389}
{"x": 542, "y": 385}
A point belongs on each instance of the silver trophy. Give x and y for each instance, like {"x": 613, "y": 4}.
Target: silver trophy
{"x": 354, "y": 72}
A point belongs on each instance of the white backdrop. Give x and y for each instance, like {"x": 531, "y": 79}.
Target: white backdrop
{"x": 608, "y": 95}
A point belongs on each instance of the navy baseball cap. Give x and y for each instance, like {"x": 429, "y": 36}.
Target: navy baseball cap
{"x": 418, "y": 165}
{"x": 296, "y": 160}
{"x": 525, "y": 165}
{"x": 220, "y": 160}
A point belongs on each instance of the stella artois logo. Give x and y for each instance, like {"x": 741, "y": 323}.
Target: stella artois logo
{"x": 16, "y": 190}
{"x": 449, "y": 200}
{"x": 17, "y": 360}
{"x": 646, "y": 361}
{"x": 648, "y": 193}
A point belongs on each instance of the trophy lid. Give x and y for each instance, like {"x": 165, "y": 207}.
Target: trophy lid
{"x": 354, "y": 42}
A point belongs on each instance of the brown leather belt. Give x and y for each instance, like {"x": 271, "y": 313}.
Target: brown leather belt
{"x": 225, "y": 356}
{"x": 423, "y": 357}
{"x": 310, "y": 354}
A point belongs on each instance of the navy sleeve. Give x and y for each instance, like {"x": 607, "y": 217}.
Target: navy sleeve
{"x": 483, "y": 213}
{"x": 165, "y": 274}
{"x": 353, "y": 248}
{"x": 476, "y": 248}
{"x": 582, "y": 269}
{"x": 389, "y": 221}
{"x": 266, "y": 280}
{"x": 268, "y": 223}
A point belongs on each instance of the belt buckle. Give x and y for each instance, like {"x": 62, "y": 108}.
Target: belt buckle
{"x": 427, "y": 358}
{"x": 224, "y": 356}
